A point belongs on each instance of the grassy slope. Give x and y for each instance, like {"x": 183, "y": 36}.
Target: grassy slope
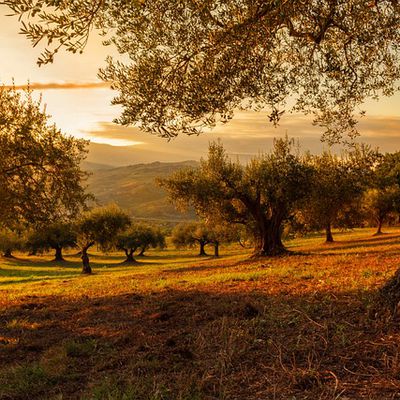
{"x": 179, "y": 327}
{"x": 134, "y": 189}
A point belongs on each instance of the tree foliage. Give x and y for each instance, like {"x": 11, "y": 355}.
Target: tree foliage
{"x": 187, "y": 64}
{"x": 40, "y": 174}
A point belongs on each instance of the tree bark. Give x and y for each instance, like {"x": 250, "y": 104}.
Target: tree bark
{"x": 202, "y": 250}
{"x": 86, "y": 269}
{"x": 58, "y": 255}
{"x": 216, "y": 249}
{"x": 269, "y": 236}
{"x": 328, "y": 232}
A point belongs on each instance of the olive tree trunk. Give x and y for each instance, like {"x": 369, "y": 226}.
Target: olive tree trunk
{"x": 129, "y": 256}
{"x": 58, "y": 256}
{"x": 216, "y": 249}
{"x": 328, "y": 232}
{"x": 86, "y": 269}
{"x": 202, "y": 244}
{"x": 269, "y": 235}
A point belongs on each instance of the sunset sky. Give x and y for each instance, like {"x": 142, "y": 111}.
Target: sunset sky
{"x": 80, "y": 105}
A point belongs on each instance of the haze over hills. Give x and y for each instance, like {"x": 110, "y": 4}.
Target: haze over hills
{"x": 134, "y": 188}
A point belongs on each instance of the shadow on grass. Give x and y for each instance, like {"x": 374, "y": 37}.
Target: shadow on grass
{"x": 367, "y": 243}
{"x": 199, "y": 345}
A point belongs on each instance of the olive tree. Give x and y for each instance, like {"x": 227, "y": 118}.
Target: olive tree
{"x": 338, "y": 184}
{"x": 191, "y": 233}
{"x": 187, "y": 64}
{"x": 261, "y": 194}
{"x": 57, "y": 236}
{"x": 99, "y": 226}
{"x": 142, "y": 237}
{"x": 10, "y": 241}
{"x": 383, "y": 199}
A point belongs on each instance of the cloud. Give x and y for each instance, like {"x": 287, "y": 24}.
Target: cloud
{"x": 248, "y": 134}
{"x": 60, "y": 85}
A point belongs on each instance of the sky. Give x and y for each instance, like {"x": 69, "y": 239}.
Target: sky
{"x": 79, "y": 103}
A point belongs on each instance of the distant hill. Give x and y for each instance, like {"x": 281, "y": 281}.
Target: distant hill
{"x": 134, "y": 189}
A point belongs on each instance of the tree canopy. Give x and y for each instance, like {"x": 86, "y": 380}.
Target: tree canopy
{"x": 41, "y": 179}
{"x": 187, "y": 64}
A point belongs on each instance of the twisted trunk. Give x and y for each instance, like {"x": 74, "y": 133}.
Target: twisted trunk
{"x": 269, "y": 235}
{"x": 129, "y": 256}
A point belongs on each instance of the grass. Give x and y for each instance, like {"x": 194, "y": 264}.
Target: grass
{"x": 176, "y": 326}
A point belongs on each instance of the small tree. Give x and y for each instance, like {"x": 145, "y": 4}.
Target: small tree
{"x": 139, "y": 236}
{"x": 381, "y": 204}
{"x": 190, "y": 234}
{"x": 338, "y": 183}
{"x": 383, "y": 199}
{"x": 11, "y": 241}
{"x": 99, "y": 226}
{"x": 55, "y": 236}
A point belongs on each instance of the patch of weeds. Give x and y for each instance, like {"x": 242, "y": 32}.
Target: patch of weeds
{"x": 80, "y": 349}
{"x": 25, "y": 382}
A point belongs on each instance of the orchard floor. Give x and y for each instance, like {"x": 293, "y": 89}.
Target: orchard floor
{"x": 178, "y": 327}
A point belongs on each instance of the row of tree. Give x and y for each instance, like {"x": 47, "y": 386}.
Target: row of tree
{"x": 107, "y": 227}
{"x": 287, "y": 188}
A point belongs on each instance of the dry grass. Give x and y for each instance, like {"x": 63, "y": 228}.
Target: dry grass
{"x": 180, "y": 327}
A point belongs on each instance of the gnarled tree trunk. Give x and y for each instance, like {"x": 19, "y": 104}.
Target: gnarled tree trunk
{"x": 269, "y": 236}
{"x": 129, "y": 256}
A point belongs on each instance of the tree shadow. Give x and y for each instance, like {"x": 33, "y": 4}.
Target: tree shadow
{"x": 206, "y": 343}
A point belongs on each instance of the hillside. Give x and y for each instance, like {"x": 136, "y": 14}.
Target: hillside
{"x": 134, "y": 189}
